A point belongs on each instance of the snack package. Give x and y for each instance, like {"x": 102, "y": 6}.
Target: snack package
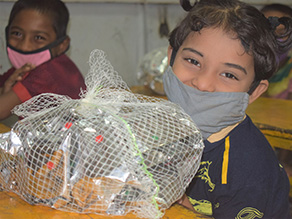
{"x": 152, "y": 68}
{"x": 110, "y": 152}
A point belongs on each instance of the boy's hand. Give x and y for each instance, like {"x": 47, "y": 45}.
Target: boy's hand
{"x": 184, "y": 201}
{"x": 16, "y": 76}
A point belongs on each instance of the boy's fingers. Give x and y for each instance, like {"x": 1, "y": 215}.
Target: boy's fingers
{"x": 16, "y": 76}
{"x": 19, "y": 78}
{"x": 26, "y": 67}
{"x": 19, "y": 73}
{"x": 180, "y": 201}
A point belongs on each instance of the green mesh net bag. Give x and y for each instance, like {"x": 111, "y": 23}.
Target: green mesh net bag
{"x": 110, "y": 152}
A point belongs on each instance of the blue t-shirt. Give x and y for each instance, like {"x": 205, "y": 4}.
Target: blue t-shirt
{"x": 240, "y": 177}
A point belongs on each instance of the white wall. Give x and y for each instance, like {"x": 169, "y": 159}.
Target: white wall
{"x": 125, "y": 31}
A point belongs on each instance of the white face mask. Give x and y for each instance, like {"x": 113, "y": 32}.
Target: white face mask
{"x": 211, "y": 111}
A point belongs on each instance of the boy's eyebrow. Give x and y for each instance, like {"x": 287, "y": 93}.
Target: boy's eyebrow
{"x": 34, "y": 31}
{"x": 237, "y": 67}
{"x": 15, "y": 27}
{"x": 193, "y": 51}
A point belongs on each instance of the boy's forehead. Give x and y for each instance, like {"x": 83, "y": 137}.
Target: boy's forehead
{"x": 34, "y": 20}
{"x": 34, "y": 12}
{"x": 210, "y": 34}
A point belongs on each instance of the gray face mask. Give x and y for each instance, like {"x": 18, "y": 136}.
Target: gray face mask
{"x": 211, "y": 111}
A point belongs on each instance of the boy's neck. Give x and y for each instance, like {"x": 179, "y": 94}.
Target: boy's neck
{"x": 223, "y": 133}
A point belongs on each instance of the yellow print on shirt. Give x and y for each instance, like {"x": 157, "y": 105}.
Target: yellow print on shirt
{"x": 203, "y": 173}
{"x": 249, "y": 213}
{"x": 201, "y": 206}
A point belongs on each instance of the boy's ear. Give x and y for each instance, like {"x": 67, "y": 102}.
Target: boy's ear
{"x": 169, "y": 52}
{"x": 62, "y": 47}
{"x": 261, "y": 88}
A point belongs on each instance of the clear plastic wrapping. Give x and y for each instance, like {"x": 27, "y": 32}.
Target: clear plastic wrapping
{"x": 152, "y": 68}
{"x": 110, "y": 152}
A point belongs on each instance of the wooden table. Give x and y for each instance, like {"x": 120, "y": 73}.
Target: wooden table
{"x": 146, "y": 91}
{"x": 274, "y": 118}
{"x": 4, "y": 128}
{"x": 13, "y": 207}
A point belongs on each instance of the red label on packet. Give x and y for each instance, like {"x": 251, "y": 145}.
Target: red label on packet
{"x": 50, "y": 165}
{"x": 68, "y": 125}
{"x": 99, "y": 138}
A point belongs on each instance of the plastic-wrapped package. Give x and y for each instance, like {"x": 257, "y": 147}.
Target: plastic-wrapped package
{"x": 152, "y": 68}
{"x": 110, "y": 152}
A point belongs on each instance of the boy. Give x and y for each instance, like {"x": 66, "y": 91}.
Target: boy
{"x": 36, "y": 42}
{"x": 221, "y": 56}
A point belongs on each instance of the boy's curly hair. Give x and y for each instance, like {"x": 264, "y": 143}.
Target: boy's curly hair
{"x": 244, "y": 22}
{"x": 55, "y": 9}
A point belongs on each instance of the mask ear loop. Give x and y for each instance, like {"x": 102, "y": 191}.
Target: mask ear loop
{"x": 172, "y": 58}
{"x": 253, "y": 87}
{"x": 6, "y": 34}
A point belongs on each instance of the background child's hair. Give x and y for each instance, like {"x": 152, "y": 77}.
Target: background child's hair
{"x": 285, "y": 9}
{"x": 55, "y": 9}
{"x": 244, "y": 22}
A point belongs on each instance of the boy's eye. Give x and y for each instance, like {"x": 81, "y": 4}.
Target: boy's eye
{"x": 229, "y": 75}
{"x": 38, "y": 37}
{"x": 16, "y": 34}
{"x": 193, "y": 61}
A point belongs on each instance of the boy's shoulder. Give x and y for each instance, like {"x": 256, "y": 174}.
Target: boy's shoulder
{"x": 251, "y": 152}
{"x": 244, "y": 135}
{"x": 248, "y": 150}
{"x": 63, "y": 58}
{"x": 247, "y": 132}
{"x": 248, "y": 140}
{"x": 58, "y": 64}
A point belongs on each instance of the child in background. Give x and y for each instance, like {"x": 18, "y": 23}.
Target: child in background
{"x": 221, "y": 56}
{"x": 281, "y": 83}
{"x": 36, "y": 45}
